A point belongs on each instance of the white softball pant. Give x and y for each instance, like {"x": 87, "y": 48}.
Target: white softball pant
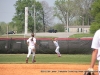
{"x": 57, "y": 50}
{"x": 30, "y": 50}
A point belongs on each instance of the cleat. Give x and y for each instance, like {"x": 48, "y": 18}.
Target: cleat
{"x": 33, "y": 61}
{"x": 26, "y": 61}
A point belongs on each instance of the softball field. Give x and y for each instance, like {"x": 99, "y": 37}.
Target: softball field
{"x": 43, "y": 69}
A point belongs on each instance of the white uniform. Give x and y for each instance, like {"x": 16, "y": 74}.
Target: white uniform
{"x": 57, "y": 47}
{"x": 96, "y": 45}
{"x": 31, "y": 46}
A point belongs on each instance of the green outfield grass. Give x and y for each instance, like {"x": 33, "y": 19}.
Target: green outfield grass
{"x": 81, "y": 35}
{"x": 22, "y": 36}
{"x": 46, "y": 59}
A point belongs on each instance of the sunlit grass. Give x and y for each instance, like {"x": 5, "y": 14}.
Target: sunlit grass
{"x": 46, "y": 58}
{"x": 81, "y": 35}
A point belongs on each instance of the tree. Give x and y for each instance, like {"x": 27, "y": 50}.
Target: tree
{"x": 69, "y": 11}
{"x": 19, "y": 17}
{"x": 59, "y": 27}
{"x": 12, "y": 26}
{"x": 95, "y": 11}
{"x": 65, "y": 11}
{"x": 3, "y": 28}
{"x": 47, "y": 15}
{"x": 38, "y": 19}
{"x": 84, "y": 7}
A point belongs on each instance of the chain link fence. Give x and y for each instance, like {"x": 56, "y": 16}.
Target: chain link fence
{"x": 46, "y": 46}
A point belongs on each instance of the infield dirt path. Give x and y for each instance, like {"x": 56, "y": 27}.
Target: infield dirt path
{"x": 42, "y": 69}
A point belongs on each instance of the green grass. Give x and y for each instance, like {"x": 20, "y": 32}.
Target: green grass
{"x": 46, "y": 59}
{"x": 22, "y": 36}
{"x": 72, "y": 36}
{"x": 14, "y": 36}
{"x": 81, "y": 35}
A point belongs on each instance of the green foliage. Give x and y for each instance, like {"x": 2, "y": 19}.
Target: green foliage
{"x": 95, "y": 8}
{"x": 59, "y": 27}
{"x": 95, "y": 25}
{"x": 12, "y": 27}
{"x": 19, "y": 18}
{"x": 81, "y": 35}
{"x": 71, "y": 10}
{"x": 3, "y": 28}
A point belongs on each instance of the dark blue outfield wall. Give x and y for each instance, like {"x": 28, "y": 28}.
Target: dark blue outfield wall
{"x": 46, "y": 46}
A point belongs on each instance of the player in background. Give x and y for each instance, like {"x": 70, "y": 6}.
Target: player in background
{"x": 31, "y": 42}
{"x": 55, "y": 41}
{"x": 96, "y": 51}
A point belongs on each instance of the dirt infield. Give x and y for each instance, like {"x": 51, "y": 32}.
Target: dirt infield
{"x": 42, "y": 69}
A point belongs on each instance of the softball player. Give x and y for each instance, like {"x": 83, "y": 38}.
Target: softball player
{"x": 31, "y": 42}
{"x": 55, "y": 41}
{"x": 96, "y": 51}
